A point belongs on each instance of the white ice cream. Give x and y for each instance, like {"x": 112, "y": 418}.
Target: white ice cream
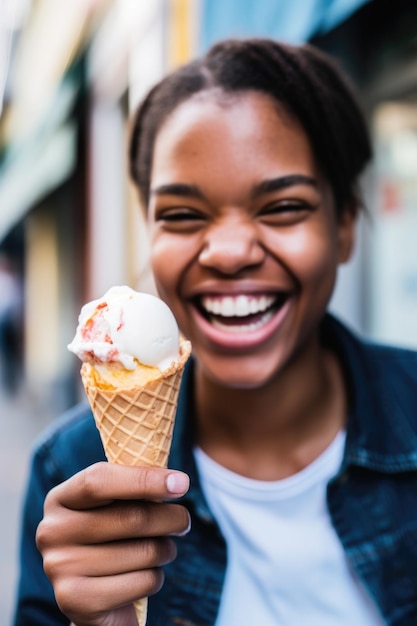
{"x": 125, "y": 327}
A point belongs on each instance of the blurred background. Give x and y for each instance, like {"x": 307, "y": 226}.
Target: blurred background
{"x": 71, "y": 74}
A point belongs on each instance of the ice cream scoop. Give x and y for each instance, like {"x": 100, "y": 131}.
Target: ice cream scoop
{"x": 125, "y": 335}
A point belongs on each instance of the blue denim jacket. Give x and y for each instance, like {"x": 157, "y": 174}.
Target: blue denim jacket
{"x": 372, "y": 500}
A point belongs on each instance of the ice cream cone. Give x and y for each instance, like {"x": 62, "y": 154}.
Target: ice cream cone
{"x": 136, "y": 424}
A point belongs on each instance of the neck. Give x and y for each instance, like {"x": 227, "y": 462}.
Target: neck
{"x": 275, "y": 430}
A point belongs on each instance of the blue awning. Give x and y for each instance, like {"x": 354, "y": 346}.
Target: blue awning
{"x": 293, "y": 21}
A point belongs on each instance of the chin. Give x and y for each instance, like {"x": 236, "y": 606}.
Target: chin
{"x": 237, "y": 376}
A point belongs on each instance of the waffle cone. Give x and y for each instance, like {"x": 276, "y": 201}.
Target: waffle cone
{"x": 136, "y": 424}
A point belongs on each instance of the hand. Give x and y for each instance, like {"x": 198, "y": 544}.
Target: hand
{"x": 104, "y": 537}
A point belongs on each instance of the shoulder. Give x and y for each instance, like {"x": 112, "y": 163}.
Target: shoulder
{"x": 392, "y": 372}
{"x": 71, "y": 443}
{"x": 385, "y": 371}
{"x": 389, "y": 360}
{"x": 355, "y": 347}
{"x": 393, "y": 357}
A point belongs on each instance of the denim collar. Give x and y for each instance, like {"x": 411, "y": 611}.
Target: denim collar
{"x": 382, "y": 417}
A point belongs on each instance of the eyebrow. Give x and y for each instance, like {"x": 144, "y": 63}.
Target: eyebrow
{"x": 266, "y": 186}
{"x": 276, "y": 184}
{"x": 178, "y": 189}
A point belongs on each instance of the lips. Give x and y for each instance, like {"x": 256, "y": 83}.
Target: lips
{"x": 240, "y": 320}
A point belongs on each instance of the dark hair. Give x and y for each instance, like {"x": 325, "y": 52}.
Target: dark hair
{"x": 306, "y": 81}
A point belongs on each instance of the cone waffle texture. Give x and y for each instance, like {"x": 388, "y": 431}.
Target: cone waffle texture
{"x": 136, "y": 424}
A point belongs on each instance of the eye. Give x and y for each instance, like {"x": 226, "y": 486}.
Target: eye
{"x": 286, "y": 211}
{"x": 180, "y": 218}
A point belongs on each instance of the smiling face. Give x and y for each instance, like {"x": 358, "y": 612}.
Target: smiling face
{"x": 245, "y": 239}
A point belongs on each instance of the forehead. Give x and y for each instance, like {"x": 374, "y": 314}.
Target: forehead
{"x": 246, "y": 131}
{"x": 216, "y": 104}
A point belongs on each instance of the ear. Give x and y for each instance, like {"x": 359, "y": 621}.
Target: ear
{"x": 347, "y": 232}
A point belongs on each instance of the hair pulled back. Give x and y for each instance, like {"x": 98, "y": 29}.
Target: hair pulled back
{"x": 306, "y": 81}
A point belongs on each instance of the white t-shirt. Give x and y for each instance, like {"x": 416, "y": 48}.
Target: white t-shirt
{"x": 286, "y": 566}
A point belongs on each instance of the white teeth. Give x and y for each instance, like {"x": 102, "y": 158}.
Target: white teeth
{"x": 253, "y": 306}
{"x": 236, "y": 306}
{"x": 241, "y": 306}
{"x": 227, "y": 307}
{"x": 243, "y": 328}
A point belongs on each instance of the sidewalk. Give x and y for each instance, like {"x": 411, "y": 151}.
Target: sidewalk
{"x": 21, "y": 421}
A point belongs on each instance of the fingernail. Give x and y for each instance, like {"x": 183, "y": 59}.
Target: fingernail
{"x": 184, "y": 532}
{"x": 177, "y": 483}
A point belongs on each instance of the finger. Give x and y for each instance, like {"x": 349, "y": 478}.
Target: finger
{"x": 78, "y": 597}
{"x": 109, "y": 559}
{"x": 119, "y": 520}
{"x": 124, "y": 615}
{"x": 103, "y": 482}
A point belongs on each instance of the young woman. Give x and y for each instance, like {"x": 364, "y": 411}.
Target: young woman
{"x": 291, "y": 498}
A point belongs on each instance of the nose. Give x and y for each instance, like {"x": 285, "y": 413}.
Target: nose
{"x": 232, "y": 245}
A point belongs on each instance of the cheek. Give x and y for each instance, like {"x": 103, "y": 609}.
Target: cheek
{"x": 165, "y": 270}
{"x": 170, "y": 258}
{"x": 163, "y": 260}
{"x": 311, "y": 255}
{"x": 320, "y": 264}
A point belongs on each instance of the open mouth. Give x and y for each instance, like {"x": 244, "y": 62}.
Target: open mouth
{"x": 242, "y": 313}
